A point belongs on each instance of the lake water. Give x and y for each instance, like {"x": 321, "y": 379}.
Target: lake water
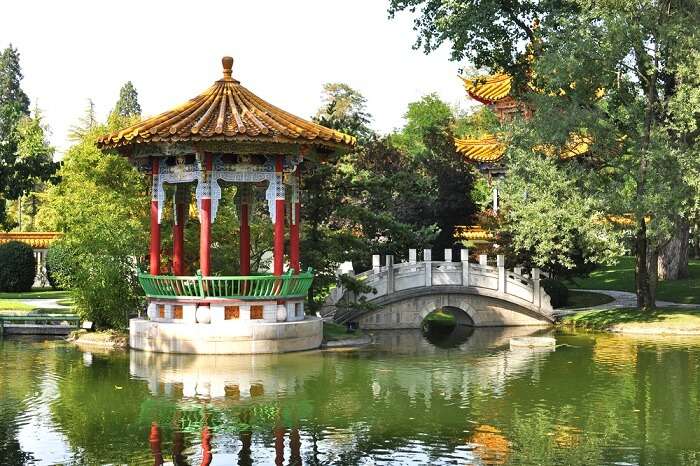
{"x": 460, "y": 398}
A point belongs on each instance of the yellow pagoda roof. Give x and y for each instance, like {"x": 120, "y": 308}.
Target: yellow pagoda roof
{"x": 35, "y": 239}
{"x": 227, "y": 111}
{"x": 488, "y": 89}
{"x": 472, "y": 233}
{"x": 485, "y": 149}
{"x": 490, "y": 150}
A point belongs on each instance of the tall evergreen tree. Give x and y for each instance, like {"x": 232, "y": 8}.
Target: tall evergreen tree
{"x": 19, "y": 169}
{"x": 128, "y": 103}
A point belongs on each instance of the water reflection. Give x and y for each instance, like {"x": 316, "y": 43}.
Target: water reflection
{"x": 597, "y": 399}
{"x": 224, "y": 376}
{"x": 446, "y": 336}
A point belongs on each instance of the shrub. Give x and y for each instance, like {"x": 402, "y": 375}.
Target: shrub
{"x": 17, "y": 267}
{"x": 557, "y": 291}
{"x": 58, "y": 265}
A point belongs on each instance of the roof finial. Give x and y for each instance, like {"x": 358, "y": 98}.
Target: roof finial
{"x": 228, "y": 64}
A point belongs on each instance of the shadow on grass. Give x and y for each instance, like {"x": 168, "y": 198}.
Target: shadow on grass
{"x": 602, "y": 320}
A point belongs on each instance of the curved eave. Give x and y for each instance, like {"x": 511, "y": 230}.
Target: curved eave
{"x": 227, "y": 112}
{"x": 487, "y": 149}
{"x": 488, "y": 90}
{"x": 472, "y": 233}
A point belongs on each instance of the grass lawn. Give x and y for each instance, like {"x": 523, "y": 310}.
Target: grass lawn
{"x": 621, "y": 277}
{"x": 8, "y": 305}
{"x": 43, "y": 293}
{"x": 335, "y": 332}
{"x": 580, "y": 299}
{"x": 663, "y": 320}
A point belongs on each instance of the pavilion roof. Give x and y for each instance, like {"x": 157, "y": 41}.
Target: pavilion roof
{"x": 229, "y": 112}
{"x": 472, "y": 233}
{"x": 489, "y": 149}
{"x": 35, "y": 239}
{"x": 485, "y": 149}
{"x": 488, "y": 89}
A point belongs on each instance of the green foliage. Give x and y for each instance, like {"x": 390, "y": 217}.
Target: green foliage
{"x": 623, "y": 74}
{"x": 364, "y": 202}
{"x": 18, "y": 267}
{"x": 101, "y": 204}
{"x": 428, "y": 138}
{"x": 25, "y": 156}
{"x": 557, "y": 291}
{"x": 549, "y": 219}
{"x": 59, "y": 258}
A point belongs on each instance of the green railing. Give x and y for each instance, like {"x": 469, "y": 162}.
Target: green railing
{"x": 289, "y": 285}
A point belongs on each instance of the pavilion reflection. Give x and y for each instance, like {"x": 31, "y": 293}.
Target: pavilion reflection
{"x": 245, "y": 454}
{"x": 223, "y": 376}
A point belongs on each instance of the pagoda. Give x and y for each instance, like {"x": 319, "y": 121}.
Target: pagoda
{"x": 496, "y": 92}
{"x": 226, "y": 134}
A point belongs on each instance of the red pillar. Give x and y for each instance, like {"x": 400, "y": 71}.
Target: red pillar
{"x": 205, "y": 224}
{"x": 154, "y": 252}
{"x": 245, "y": 237}
{"x": 179, "y": 236}
{"x": 278, "y": 253}
{"x": 294, "y": 228}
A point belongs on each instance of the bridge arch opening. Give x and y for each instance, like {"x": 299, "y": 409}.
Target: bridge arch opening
{"x": 447, "y": 327}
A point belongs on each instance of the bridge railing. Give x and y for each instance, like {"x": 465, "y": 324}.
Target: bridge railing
{"x": 524, "y": 289}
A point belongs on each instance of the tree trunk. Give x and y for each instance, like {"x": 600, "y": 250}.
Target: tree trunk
{"x": 652, "y": 272}
{"x": 673, "y": 256}
{"x": 645, "y": 300}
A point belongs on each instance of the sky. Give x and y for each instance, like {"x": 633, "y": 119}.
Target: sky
{"x": 284, "y": 51}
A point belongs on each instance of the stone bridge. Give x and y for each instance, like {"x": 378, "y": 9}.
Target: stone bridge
{"x": 478, "y": 294}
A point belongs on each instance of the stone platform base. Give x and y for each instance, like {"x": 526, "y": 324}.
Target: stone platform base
{"x": 226, "y": 338}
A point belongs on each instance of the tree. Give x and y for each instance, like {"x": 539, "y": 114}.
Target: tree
{"x": 128, "y": 103}
{"x": 34, "y": 156}
{"x": 428, "y": 138}
{"x": 25, "y": 156}
{"x": 101, "y": 204}
{"x": 610, "y": 73}
{"x": 362, "y": 203}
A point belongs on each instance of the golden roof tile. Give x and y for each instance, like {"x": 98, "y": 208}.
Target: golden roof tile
{"x": 35, "y": 239}
{"x": 488, "y": 89}
{"x": 486, "y": 149}
{"x": 472, "y": 233}
{"x": 227, "y": 111}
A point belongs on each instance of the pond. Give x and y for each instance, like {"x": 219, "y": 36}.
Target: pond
{"x": 459, "y": 397}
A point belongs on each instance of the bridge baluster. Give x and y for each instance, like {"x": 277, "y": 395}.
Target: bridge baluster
{"x": 464, "y": 258}
{"x": 501, "y": 264}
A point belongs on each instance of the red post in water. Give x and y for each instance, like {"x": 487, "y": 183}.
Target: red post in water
{"x": 154, "y": 440}
{"x": 205, "y": 224}
{"x": 278, "y": 253}
{"x": 279, "y": 446}
{"x": 179, "y": 237}
{"x": 154, "y": 252}
{"x": 245, "y": 238}
{"x": 206, "y": 447}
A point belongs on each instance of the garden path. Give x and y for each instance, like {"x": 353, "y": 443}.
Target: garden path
{"x": 623, "y": 299}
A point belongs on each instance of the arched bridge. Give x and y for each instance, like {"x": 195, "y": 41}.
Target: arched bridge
{"x": 407, "y": 292}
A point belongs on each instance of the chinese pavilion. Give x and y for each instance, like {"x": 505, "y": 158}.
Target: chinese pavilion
{"x": 487, "y": 152}
{"x": 226, "y": 134}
